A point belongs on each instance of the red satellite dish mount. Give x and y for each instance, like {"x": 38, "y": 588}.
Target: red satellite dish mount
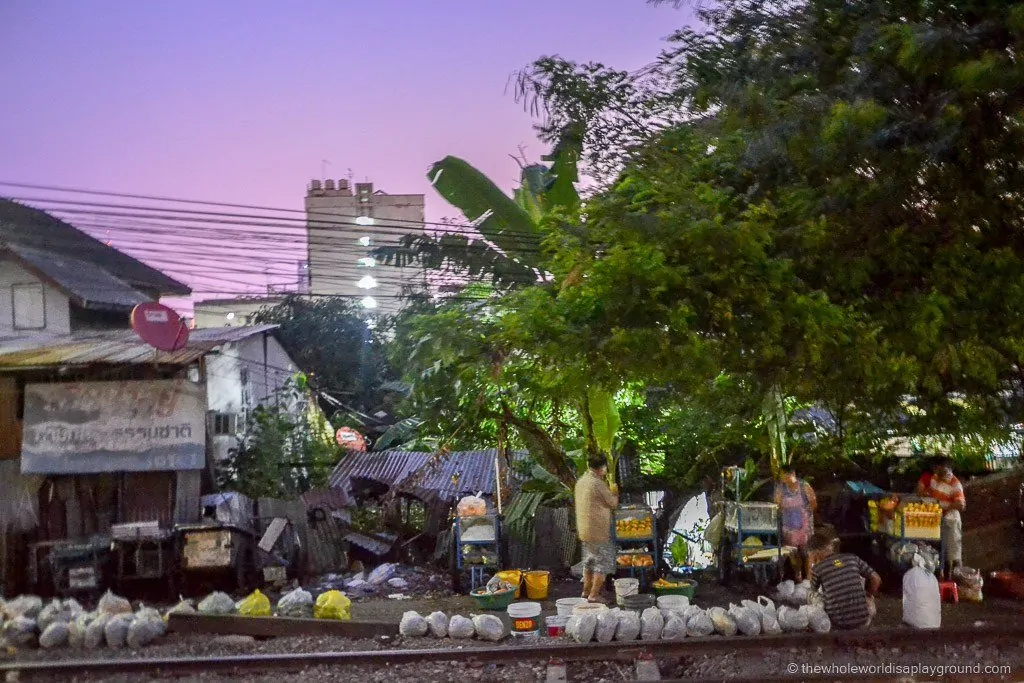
{"x": 350, "y": 439}
{"x": 159, "y": 326}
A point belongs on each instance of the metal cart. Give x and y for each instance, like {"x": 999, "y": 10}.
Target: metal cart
{"x": 214, "y": 553}
{"x": 142, "y": 551}
{"x": 80, "y": 567}
{"x": 745, "y": 520}
{"x": 480, "y": 553}
{"x": 635, "y": 532}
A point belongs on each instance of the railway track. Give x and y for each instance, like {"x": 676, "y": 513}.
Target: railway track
{"x": 557, "y": 654}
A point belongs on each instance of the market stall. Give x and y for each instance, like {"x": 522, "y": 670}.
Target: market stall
{"x": 905, "y": 525}
{"x": 635, "y": 536}
{"x": 751, "y": 540}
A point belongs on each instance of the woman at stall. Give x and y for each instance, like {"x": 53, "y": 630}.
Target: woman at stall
{"x": 797, "y": 505}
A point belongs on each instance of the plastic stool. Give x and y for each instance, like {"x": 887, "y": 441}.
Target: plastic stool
{"x": 948, "y": 591}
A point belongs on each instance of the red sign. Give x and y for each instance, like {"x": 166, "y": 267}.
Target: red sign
{"x": 350, "y": 439}
{"x": 159, "y": 326}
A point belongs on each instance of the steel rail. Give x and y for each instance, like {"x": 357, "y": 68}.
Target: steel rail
{"x": 615, "y": 651}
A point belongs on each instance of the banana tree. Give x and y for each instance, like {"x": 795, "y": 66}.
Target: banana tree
{"x": 602, "y": 422}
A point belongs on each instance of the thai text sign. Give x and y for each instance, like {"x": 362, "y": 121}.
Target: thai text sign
{"x": 137, "y": 426}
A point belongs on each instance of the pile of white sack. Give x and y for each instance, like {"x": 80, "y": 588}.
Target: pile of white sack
{"x": 27, "y": 622}
{"x": 749, "y": 618}
{"x": 798, "y": 593}
{"x": 439, "y": 625}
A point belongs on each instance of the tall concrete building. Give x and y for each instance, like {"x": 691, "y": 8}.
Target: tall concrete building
{"x": 343, "y": 226}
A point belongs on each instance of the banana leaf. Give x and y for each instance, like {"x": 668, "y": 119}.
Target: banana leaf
{"x": 604, "y": 415}
{"x": 497, "y": 216}
{"x": 560, "y": 192}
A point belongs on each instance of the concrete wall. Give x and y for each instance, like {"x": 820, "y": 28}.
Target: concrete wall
{"x": 215, "y": 313}
{"x": 332, "y": 210}
{"x": 238, "y": 379}
{"x": 56, "y": 307}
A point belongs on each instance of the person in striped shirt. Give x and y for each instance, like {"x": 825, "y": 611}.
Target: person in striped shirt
{"x": 948, "y": 492}
{"x": 848, "y": 584}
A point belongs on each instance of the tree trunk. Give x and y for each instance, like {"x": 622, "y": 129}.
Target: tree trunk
{"x": 542, "y": 446}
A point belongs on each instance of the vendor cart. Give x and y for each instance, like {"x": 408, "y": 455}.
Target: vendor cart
{"x": 214, "y": 553}
{"x": 744, "y": 521}
{"x": 142, "y": 551}
{"x": 79, "y": 567}
{"x": 476, "y": 547}
{"x": 635, "y": 537}
{"x": 906, "y": 521}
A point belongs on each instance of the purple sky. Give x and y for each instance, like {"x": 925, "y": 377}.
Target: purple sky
{"x": 240, "y": 101}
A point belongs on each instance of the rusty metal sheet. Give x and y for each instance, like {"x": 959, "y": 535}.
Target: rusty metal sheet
{"x": 147, "y": 497}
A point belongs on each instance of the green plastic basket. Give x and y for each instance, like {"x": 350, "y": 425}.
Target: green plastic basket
{"x": 494, "y": 601}
{"x": 688, "y": 590}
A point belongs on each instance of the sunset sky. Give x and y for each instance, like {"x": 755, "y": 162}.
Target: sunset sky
{"x": 240, "y": 101}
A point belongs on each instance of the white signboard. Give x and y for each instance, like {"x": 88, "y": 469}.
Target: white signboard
{"x": 137, "y": 426}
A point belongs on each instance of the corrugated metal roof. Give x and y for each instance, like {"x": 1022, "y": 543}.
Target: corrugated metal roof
{"x": 91, "y": 286}
{"x": 114, "y": 347}
{"x": 424, "y": 475}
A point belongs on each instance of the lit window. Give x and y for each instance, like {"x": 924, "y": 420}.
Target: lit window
{"x": 364, "y": 220}
{"x": 367, "y": 262}
{"x": 365, "y": 240}
{"x": 368, "y": 282}
{"x": 369, "y": 302}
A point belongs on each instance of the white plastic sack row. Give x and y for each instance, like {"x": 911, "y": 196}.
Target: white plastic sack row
{"x": 438, "y": 625}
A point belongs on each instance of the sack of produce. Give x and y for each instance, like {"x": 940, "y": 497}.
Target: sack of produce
{"x": 147, "y": 627}
{"x": 581, "y": 627}
{"x": 725, "y": 625}
{"x": 54, "y": 612}
{"x": 461, "y": 628}
{"x": 298, "y": 604}
{"x": 748, "y": 621}
{"x": 114, "y": 604}
{"x": 607, "y": 624}
{"x": 218, "y": 604}
{"x": 792, "y": 619}
{"x": 19, "y": 632}
{"x": 183, "y": 607}
{"x": 675, "y": 628}
{"x": 24, "y": 606}
{"x": 116, "y": 630}
{"x": 922, "y": 604}
{"x": 488, "y": 627}
{"x": 628, "y": 627}
{"x": 817, "y": 618}
{"x": 413, "y": 625}
{"x": 95, "y": 632}
{"x": 472, "y": 506}
{"x": 55, "y": 635}
{"x": 332, "y": 605}
{"x": 437, "y": 622}
{"x": 76, "y": 631}
{"x": 786, "y": 589}
{"x": 699, "y": 625}
{"x": 801, "y": 592}
{"x": 256, "y": 604}
{"x": 651, "y": 624}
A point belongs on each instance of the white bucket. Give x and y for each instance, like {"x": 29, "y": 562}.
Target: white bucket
{"x": 626, "y": 587}
{"x": 565, "y": 605}
{"x": 524, "y": 610}
{"x": 594, "y": 608}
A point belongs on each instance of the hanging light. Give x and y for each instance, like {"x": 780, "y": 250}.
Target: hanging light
{"x": 369, "y": 302}
{"x": 365, "y": 240}
{"x": 367, "y": 262}
{"x": 364, "y": 220}
{"x": 368, "y": 282}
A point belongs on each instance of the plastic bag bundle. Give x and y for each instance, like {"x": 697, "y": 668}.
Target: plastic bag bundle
{"x": 54, "y": 635}
{"x": 95, "y": 632}
{"x": 675, "y": 628}
{"x": 628, "y": 627}
{"x": 256, "y": 604}
{"x": 792, "y": 619}
{"x": 332, "y": 605}
{"x": 699, "y": 625}
{"x": 725, "y": 625}
{"x": 970, "y": 583}
{"x": 217, "y": 603}
{"x": 24, "y": 606}
{"x": 817, "y": 618}
{"x": 581, "y": 627}
{"x": 116, "y": 630}
{"x": 922, "y": 604}
{"x": 651, "y": 624}
{"x": 19, "y": 631}
{"x": 437, "y": 622}
{"x": 498, "y": 585}
{"x": 607, "y": 624}
{"x": 111, "y": 603}
{"x": 748, "y": 620}
{"x": 488, "y": 627}
{"x": 76, "y": 631}
{"x": 472, "y": 506}
{"x": 413, "y": 625}
{"x": 461, "y": 628}
{"x": 801, "y": 592}
{"x": 786, "y": 589}
{"x": 298, "y": 604}
{"x": 144, "y": 630}
{"x": 183, "y": 607}
{"x": 54, "y": 611}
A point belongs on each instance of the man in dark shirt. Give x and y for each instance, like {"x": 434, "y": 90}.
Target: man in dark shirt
{"x": 847, "y": 583}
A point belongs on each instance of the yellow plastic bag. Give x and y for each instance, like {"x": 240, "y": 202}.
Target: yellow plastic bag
{"x": 332, "y": 605}
{"x": 256, "y": 604}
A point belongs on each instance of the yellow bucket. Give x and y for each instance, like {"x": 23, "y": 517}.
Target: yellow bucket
{"x": 513, "y": 576}
{"x": 537, "y": 585}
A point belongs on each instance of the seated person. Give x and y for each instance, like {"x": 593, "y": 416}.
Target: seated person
{"x": 847, "y": 583}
